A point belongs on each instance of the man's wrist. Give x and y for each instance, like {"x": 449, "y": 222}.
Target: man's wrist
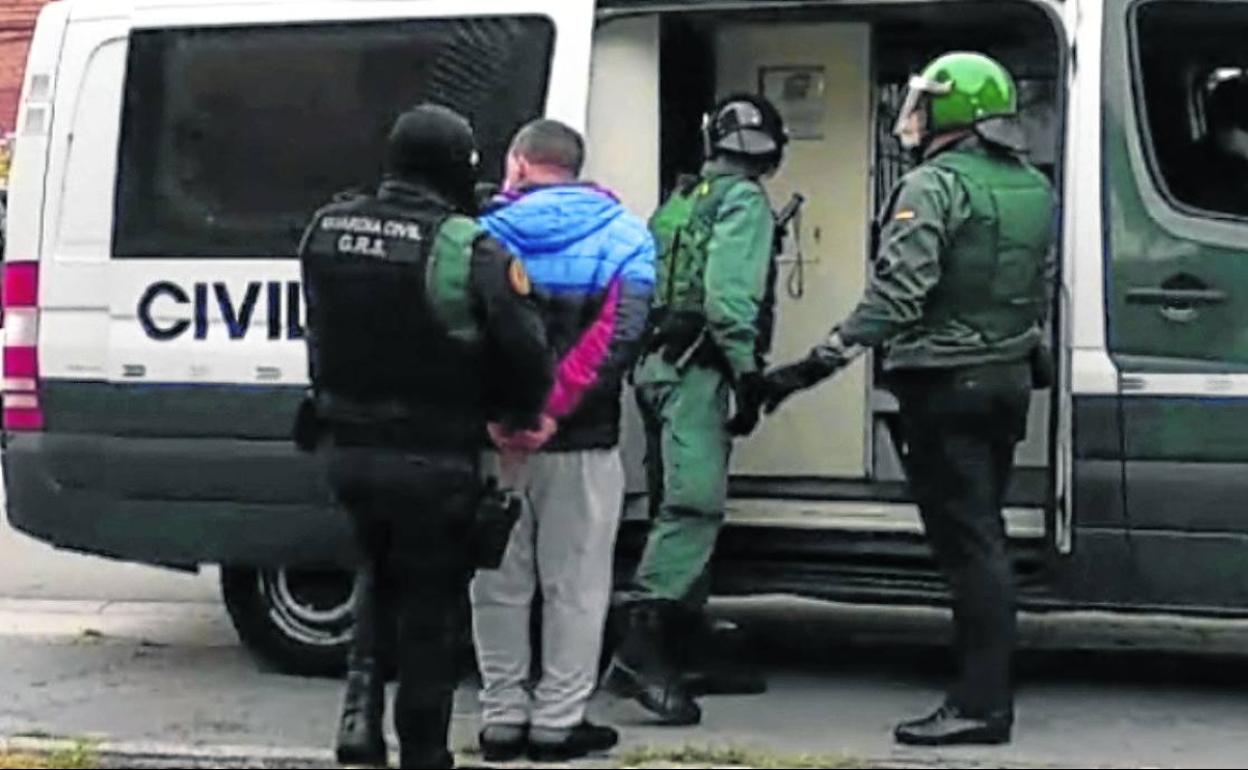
{"x": 831, "y": 353}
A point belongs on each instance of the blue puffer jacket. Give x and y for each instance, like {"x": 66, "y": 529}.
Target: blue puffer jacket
{"x": 594, "y": 261}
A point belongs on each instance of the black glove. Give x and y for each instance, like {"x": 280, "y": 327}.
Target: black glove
{"x": 748, "y": 397}
{"x": 823, "y": 361}
{"x": 784, "y": 381}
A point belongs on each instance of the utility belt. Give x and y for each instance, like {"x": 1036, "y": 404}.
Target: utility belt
{"x": 391, "y": 424}
{"x": 496, "y": 511}
{"x": 684, "y": 340}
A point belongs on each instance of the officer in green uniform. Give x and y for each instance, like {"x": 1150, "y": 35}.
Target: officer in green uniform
{"x": 699, "y": 384}
{"x": 421, "y": 330}
{"x": 958, "y": 299}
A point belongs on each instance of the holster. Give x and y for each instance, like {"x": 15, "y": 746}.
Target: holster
{"x": 496, "y": 515}
{"x": 672, "y": 334}
{"x": 675, "y": 334}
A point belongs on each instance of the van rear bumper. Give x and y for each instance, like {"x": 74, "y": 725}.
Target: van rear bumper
{"x": 175, "y": 502}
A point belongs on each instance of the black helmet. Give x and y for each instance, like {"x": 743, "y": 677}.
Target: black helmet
{"x": 748, "y": 125}
{"x": 435, "y": 145}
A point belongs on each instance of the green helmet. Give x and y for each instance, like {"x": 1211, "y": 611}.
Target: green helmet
{"x": 958, "y": 90}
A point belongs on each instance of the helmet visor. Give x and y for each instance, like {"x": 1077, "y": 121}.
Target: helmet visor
{"x": 911, "y": 125}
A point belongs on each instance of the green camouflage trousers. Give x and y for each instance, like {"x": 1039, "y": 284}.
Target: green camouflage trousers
{"x": 687, "y": 452}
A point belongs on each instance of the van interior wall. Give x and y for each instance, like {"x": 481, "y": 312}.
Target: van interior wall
{"x": 818, "y": 74}
{"x": 866, "y": 55}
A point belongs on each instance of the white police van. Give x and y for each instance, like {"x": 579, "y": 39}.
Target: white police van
{"x": 169, "y": 153}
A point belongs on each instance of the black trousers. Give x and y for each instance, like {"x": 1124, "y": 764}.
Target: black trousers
{"x": 412, "y": 515}
{"x": 961, "y": 427}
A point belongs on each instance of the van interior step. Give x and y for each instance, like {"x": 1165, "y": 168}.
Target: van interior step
{"x": 863, "y": 516}
{"x": 1029, "y": 487}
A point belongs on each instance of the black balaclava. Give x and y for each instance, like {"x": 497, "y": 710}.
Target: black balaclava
{"x": 434, "y": 145}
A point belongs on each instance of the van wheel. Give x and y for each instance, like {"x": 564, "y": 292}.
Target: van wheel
{"x": 298, "y": 621}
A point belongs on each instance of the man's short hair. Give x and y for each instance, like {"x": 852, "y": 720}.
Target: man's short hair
{"x": 551, "y": 143}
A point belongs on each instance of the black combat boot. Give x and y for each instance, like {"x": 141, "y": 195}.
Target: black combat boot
{"x": 360, "y": 737}
{"x": 714, "y": 656}
{"x": 361, "y": 740}
{"x": 642, "y": 668}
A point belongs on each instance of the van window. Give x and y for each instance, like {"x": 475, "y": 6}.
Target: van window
{"x": 233, "y": 137}
{"x": 84, "y": 219}
{"x": 1191, "y": 71}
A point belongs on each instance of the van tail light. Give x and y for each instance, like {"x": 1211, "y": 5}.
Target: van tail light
{"x": 22, "y": 408}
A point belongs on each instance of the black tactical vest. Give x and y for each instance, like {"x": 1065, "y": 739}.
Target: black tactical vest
{"x": 390, "y": 367}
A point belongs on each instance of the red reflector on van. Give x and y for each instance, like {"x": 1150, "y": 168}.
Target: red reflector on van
{"x": 20, "y": 363}
{"x": 23, "y": 420}
{"x": 21, "y": 284}
{"x": 22, "y": 410}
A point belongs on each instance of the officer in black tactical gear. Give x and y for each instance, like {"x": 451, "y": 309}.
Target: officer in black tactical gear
{"x": 421, "y": 330}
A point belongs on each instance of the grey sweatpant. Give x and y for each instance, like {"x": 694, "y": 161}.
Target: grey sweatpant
{"x": 564, "y": 543}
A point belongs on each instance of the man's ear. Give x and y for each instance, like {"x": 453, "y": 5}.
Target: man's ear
{"x": 516, "y": 171}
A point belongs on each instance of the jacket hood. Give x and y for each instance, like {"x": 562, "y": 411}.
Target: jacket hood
{"x": 551, "y": 219}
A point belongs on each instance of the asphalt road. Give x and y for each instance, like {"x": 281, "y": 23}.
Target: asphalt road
{"x": 172, "y": 674}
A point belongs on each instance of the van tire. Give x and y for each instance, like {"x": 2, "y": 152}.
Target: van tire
{"x": 297, "y": 622}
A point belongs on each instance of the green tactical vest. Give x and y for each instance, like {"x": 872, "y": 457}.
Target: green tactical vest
{"x": 682, "y": 228}
{"x": 993, "y": 273}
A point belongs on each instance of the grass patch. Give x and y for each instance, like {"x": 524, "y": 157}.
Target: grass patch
{"x": 10, "y": 761}
{"x": 76, "y": 756}
{"x": 730, "y": 756}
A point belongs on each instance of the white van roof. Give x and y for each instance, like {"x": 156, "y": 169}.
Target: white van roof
{"x": 106, "y": 9}
{"x": 97, "y": 9}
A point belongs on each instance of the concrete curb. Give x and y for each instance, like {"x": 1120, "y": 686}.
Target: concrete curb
{"x": 195, "y": 624}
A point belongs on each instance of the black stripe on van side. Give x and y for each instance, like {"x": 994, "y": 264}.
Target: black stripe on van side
{"x": 1175, "y": 429}
{"x": 170, "y": 411}
{"x": 1194, "y": 429}
{"x": 1185, "y": 429}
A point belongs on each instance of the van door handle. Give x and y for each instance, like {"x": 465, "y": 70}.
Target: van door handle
{"x": 1179, "y": 298}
